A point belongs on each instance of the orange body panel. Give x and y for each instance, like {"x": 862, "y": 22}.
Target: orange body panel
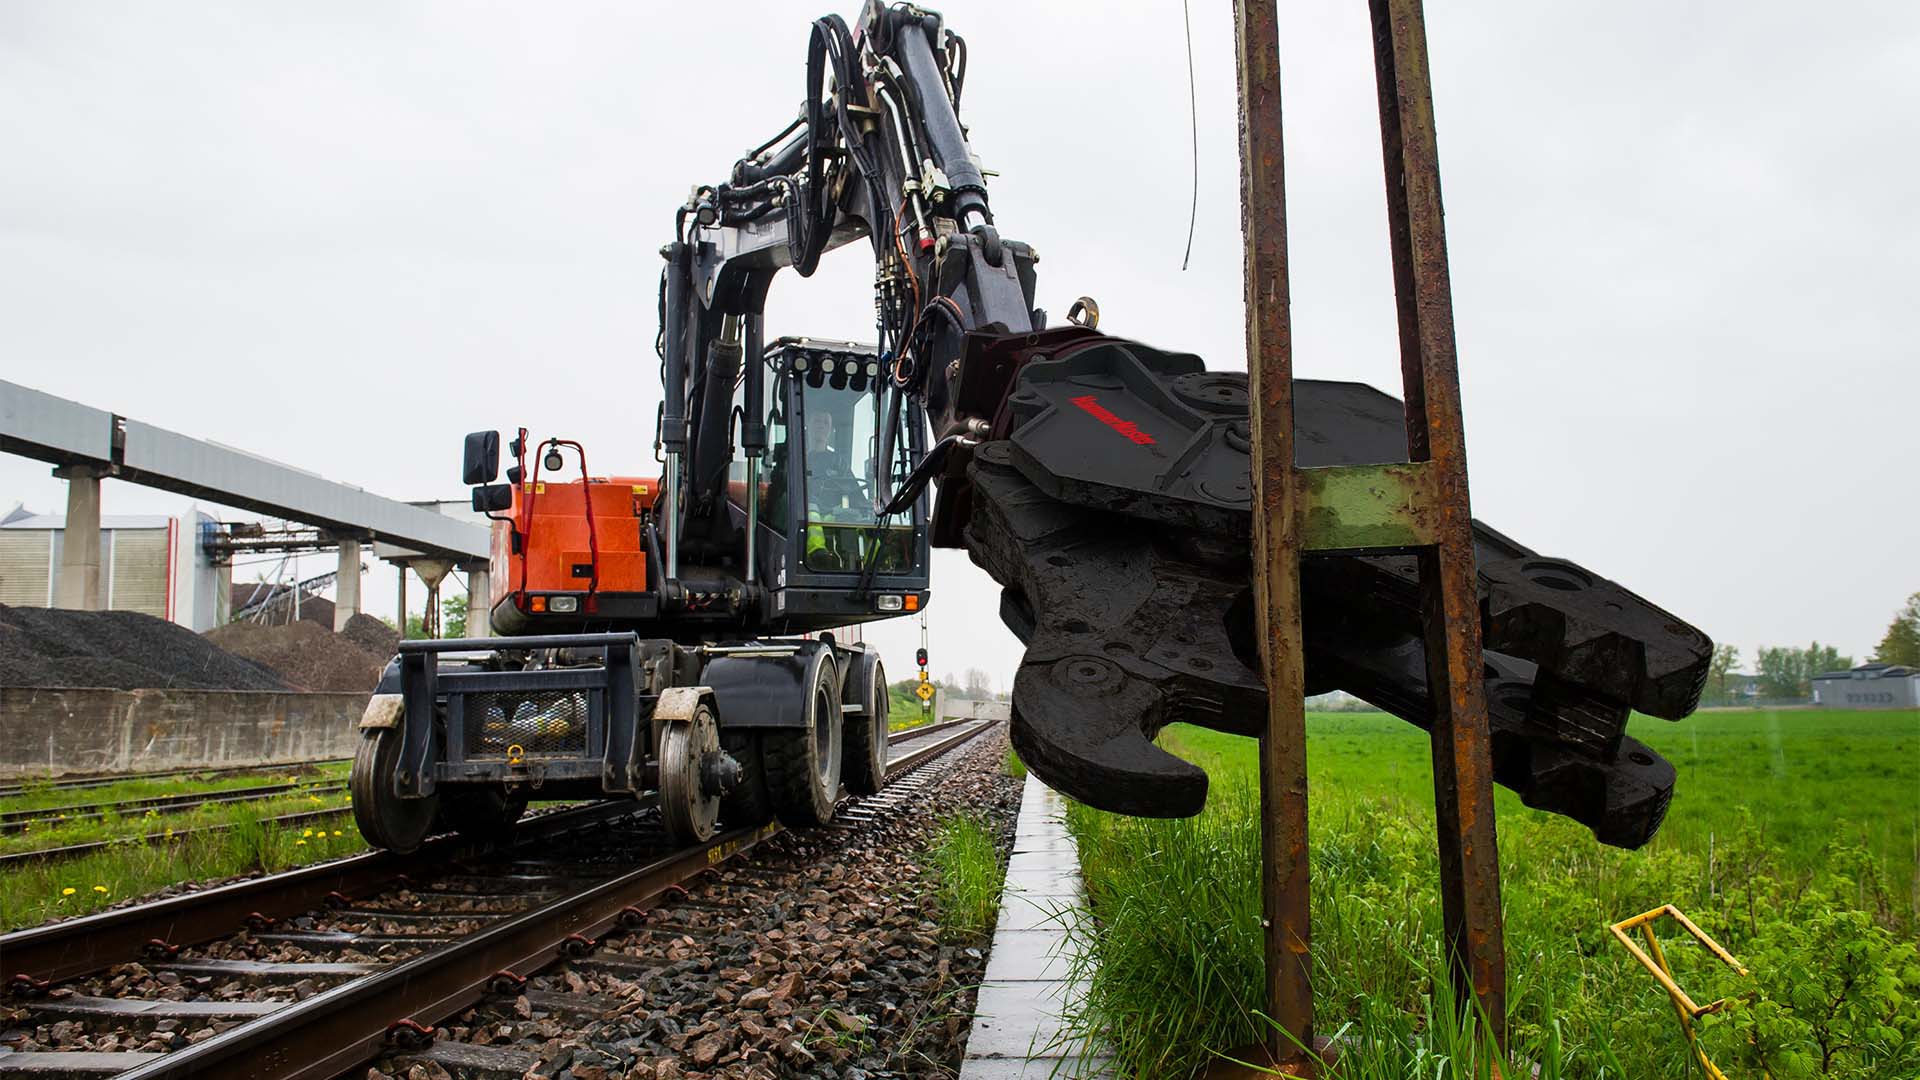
{"x": 558, "y": 553}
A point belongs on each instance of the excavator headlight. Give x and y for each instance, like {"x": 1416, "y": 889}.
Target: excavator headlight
{"x": 827, "y": 365}
{"x": 889, "y": 603}
{"x": 564, "y": 605}
{"x": 873, "y": 368}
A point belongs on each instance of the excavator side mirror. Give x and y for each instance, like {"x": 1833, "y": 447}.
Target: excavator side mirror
{"x": 481, "y": 464}
{"x": 488, "y": 498}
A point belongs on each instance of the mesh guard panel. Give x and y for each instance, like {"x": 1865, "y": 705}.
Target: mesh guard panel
{"x": 543, "y": 723}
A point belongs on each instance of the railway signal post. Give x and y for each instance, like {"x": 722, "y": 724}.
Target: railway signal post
{"x": 1419, "y": 507}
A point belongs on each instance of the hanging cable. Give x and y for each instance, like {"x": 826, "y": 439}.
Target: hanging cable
{"x": 1193, "y": 119}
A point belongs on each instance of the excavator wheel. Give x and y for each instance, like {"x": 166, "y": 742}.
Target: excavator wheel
{"x": 865, "y": 766}
{"x": 386, "y": 820}
{"x": 748, "y": 803}
{"x": 802, "y": 765}
{"x": 486, "y": 814}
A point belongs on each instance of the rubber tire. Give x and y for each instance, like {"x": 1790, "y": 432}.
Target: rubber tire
{"x": 748, "y": 803}
{"x": 863, "y": 762}
{"x": 801, "y": 786}
{"x": 385, "y": 819}
{"x": 487, "y": 814}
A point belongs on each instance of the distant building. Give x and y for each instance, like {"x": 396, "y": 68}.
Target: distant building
{"x": 1869, "y": 686}
{"x": 152, "y": 564}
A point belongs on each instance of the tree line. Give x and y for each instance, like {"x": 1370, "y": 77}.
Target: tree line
{"x": 1783, "y": 673}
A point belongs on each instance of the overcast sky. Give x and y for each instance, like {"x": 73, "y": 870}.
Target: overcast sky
{"x": 340, "y": 235}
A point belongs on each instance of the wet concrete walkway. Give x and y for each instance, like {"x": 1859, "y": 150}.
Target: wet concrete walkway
{"x": 1017, "y": 1021}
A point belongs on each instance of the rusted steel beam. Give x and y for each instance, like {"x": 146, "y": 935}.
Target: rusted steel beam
{"x": 1462, "y": 760}
{"x": 1276, "y": 537}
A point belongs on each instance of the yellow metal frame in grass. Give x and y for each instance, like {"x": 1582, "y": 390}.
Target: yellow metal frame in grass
{"x": 1654, "y": 959}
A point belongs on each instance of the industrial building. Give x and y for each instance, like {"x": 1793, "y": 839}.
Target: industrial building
{"x": 152, "y": 564}
{"x": 1869, "y": 686}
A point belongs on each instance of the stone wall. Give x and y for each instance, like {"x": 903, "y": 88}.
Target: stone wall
{"x": 53, "y": 732}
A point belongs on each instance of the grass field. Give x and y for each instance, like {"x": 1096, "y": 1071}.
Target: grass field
{"x": 44, "y": 795}
{"x": 903, "y": 709}
{"x": 35, "y": 892}
{"x": 1792, "y": 838}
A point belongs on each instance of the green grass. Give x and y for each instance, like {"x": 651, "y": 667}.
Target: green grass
{"x": 1013, "y": 766}
{"x": 41, "y": 795}
{"x": 969, "y": 873}
{"x": 1791, "y": 838}
{"x": 904, "y": 711}
{"x": 34, "y": 893}
{"x": 59, "y": 832}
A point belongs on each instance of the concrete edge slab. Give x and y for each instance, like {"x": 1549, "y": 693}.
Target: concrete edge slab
{"x": 1020, "y": 1013}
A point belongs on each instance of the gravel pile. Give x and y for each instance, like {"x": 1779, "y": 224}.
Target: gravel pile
{"x": 117, "y": 650}
{"x": 372, "y": 635}
{"x": 309, "y": 656}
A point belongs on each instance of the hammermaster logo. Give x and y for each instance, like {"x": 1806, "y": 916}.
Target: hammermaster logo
{"x": 1099, "y": 412}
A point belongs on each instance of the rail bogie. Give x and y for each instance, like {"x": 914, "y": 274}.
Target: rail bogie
{"x": 462, "y": 734}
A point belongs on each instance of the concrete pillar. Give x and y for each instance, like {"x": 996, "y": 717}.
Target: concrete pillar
{"x": 478, "y": 604}
{"x": 78, "y": 587}
{"x": 346, "y": 586}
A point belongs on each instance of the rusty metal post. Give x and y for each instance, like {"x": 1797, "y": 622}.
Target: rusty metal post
{"x": 1276, "y": 538}
{"x": 1462, "y": 757}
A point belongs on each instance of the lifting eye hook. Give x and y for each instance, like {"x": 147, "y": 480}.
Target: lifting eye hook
{"x": 1085, "y": 312}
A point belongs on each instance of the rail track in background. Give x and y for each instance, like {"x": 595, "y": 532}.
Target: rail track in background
{"x": 476, "y": 920}
{"x": 14, "y": 821}
{"x": 15, "y": 788}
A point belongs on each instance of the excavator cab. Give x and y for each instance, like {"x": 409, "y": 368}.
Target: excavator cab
{"x": 836, "y": 446}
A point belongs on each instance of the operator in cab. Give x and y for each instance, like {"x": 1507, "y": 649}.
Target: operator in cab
{"x": 835, "y": 495}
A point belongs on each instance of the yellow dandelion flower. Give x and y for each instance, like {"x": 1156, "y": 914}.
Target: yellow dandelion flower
{"x": 299, "y": 843}
{"x": 306, "y": 832}
{"x": 68, "y": 891}
{"x": 99, "y": 888}
{"x": 336, "y": 832}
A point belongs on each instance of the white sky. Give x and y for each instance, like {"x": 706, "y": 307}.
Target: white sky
{"x": 1683, "y": 246}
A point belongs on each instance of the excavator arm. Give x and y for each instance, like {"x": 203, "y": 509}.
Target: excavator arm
{"x": 1106, "y": 484}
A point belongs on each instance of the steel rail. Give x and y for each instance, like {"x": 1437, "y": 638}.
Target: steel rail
{"x": 905, "y": 734}
{"x": 76, "y": 947}
{"x": 69, "y": 851}
{"x": 78, "y": 783}
{"x": 13, "y": 821}
{"x": 341, "y": 1028}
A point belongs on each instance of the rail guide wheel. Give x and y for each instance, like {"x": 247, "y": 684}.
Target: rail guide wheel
{"x": 385, "y": 819}
{"x": 695, "y": 774}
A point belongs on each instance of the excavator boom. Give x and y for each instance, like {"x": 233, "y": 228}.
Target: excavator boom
{"x": 1105, "y": 484}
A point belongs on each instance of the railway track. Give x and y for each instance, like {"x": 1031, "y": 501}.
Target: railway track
{"x": 348, "y": 960}
{"x": 15, "y": 821}
{"x": 80, "y": 783}
{"x": 70, "y": 851}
